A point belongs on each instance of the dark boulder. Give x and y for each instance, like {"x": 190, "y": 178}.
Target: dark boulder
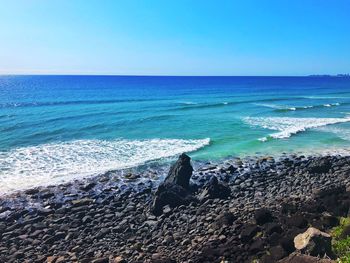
{"x": 319, "y": 166}
{"x": 214, "y": 189}
{"x": 248, "y": 232}
{"x": 175, "y": 190}
{"x": 172, "y": 195}
{"x": 224, "y": 219}
{"x": 272, "y": 227}
{"x": 296, "y": 220}
{"x": 181, "y": 172}
{"x": 263, "y": 216}
{"x": 256, "y": 246}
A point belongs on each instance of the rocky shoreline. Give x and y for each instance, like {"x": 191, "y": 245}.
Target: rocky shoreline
{"x": 268, "y": 202}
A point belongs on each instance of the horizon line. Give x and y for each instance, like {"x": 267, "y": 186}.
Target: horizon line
{"x": 160, "y": 75}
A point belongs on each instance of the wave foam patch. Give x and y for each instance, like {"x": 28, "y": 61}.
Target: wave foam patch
{"x": 289, "y": 126}
{"x": 48, "y": 164}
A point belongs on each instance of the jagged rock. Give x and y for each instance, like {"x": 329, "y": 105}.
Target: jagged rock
{"x": 314, "y": 242}
{"x": 174, "y": 191}
{"x": 215, "y": 190}
{"x": 181, "y": 172}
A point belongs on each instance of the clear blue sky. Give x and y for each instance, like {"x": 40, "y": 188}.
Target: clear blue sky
{"x": 180, "y": 37}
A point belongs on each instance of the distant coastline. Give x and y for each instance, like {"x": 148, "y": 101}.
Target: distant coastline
{"x": 328, "y": 75}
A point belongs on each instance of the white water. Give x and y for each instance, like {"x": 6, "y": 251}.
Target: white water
{"x": 289, "y": 126}
{"x": 275, "y": 106}
{"x": 49, "y": 164}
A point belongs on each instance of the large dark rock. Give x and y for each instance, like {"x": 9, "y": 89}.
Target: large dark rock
{"x": 175, "y": 190}
{"x": 172, "y": 195}
{"x": 214, "y": 189}
{"x": 181, "y": 172}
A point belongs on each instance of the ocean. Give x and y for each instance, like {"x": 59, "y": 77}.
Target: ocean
{"x": 58, "y": 128}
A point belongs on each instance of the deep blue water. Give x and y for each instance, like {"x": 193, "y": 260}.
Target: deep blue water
{"x": 56, "y": 128}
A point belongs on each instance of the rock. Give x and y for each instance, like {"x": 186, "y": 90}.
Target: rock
{"x": 329, "y": 221}
{"x": 248, "y": 232}
{"x": 174, "y": 191}
{"x": 297, "y": 221}
{"x": 314, "y": 242}
{"x": 32, "y": 191}
{"x": 181, "y": 172}
{"x": 215, "y": 190}
{"x": 224, "y": 219}
{"x": 277, "y": 252}
{"x": 262, "y": 216}
{"x": 300, "y": 258}
{"x": 88, "y": 186}
{"x": 100, "y": 260}
{"x": 172, "y": 195}
{"x": 82, "y": 202}
{"x": 119, "y": 259}
{"x": 51, "y": 259}
{"x": 231, "y": 169}
{"x": 318, "y": 166}
{"x": 272, "y": 227}
{"x": 256, "y": 246}
{"x": 18, "y": 255}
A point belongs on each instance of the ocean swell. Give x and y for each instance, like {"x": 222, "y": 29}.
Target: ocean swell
{"x": 45, "y": 164}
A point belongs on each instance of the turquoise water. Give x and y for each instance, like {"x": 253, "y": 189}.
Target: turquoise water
{"x": 56, "y": 128}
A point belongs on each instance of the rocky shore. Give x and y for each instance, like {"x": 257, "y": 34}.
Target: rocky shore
{"x": 237, "y": 211}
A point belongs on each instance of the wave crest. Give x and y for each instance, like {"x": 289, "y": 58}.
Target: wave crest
{"x": 289, "y": 126}
{"x": 283, "y": 108}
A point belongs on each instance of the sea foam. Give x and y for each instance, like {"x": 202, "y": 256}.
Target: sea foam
{"x": 289, "y": 126}
{"x": 48, "y": 164}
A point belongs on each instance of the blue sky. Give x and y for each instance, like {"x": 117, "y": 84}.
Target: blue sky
{"x": 182, "y": 37}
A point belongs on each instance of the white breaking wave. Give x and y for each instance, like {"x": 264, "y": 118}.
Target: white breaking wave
{"x": 49, "y": 164}
{"x": 294, "y": 108}
{"x": 275, "y": 106}
{"x": 289, "y": 126}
